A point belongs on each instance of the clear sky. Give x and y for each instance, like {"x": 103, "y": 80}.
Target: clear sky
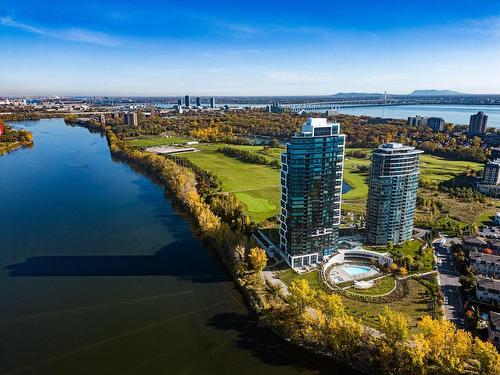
{"x": 248, "y": 47}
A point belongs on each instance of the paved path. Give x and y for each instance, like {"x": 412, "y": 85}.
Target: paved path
{"x": 449, "y": 283}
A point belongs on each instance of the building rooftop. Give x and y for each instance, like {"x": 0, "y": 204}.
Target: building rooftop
{"x": 488, "y": 283}
{"x": 495, "y": 319}
{"x": 485, "y": 257}
{"x": 474, "y": 241}
{"x": 318, "y": 126}
{"x": 395, "y": 148}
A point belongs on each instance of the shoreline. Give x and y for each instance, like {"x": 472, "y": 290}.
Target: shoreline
{"x": 254, "y": 302}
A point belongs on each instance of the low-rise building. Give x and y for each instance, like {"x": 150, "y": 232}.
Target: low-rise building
{"x": 474, "y": 244}
{"x": 488, "y": 290}
{"x": 485, "y": 264}
{"x": 494, "y": 328}
{"x": 491, "y": 190}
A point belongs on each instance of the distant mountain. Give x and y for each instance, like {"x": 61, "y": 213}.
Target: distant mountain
{"x": 435, "y": 93}
{"x": 358, "y": 95}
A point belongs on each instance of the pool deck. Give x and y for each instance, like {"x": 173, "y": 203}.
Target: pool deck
{"x": 339, "y": 275}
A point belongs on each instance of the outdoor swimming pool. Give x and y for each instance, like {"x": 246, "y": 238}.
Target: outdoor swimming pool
{"x": 356, "y": 270}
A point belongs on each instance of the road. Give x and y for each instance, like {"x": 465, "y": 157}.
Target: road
{"x": 449, "y": 281}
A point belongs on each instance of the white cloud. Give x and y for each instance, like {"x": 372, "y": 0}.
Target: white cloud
{"x": 73, "y": 34}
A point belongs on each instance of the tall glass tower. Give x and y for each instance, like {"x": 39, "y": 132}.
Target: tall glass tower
{"x": 392, "y": 195}
{"x": 311, "y": 188}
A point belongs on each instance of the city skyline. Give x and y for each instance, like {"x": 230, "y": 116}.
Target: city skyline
{"x": 85, "y": 48}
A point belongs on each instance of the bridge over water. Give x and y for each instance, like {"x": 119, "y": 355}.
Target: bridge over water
{"x": 334, "y": 105}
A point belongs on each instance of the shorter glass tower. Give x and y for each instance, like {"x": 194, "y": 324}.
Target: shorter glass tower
{"x": 311, "y": 188}
{"x": 392, "y": 195}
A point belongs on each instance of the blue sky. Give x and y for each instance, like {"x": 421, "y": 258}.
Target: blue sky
{"x": 248, "y": 48}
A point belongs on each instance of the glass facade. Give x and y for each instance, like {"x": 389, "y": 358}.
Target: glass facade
{"x": 393, "y": 194}
{"x": 311, "y": 185}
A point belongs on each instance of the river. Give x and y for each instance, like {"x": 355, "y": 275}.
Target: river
{"x": 455, "y": 114}
{"x": 100, "y": 274}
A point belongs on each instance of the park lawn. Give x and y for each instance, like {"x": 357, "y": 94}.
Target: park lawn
{"x": 255, "y": 185}
{"x": 358, "y": 181}
{"x": 439, "y": 169}
{"x": 288, "y": 275}
{"x": 415, "y": 304}
{"x": 155, "y": 141}
{"x": 382, "y": 286}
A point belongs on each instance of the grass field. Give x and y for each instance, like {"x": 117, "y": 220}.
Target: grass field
{"x": 415, "y": 304}
{"x": 288, "y": 275}
{"x": 255, "y": 185}
{"x": 382, "y": 286}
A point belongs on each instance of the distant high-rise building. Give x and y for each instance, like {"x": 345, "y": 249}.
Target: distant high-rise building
{"x": 436, "y": 124}
{"x": 392, "y": 194}
{"x": 187, "y": 102}
{"x": 212, "y": 102}
{"x": 311, "y": 186}
{"x": 130, "y": 118}
{"x": 417, "y": 121}
{"x": 179, "y": 101}
{"x": 178, "y": 108}
{"x": 491, "y": 173}
{"x": 477, "y": 123}
{"x": 102, "y": 119}
{"x": 275, "y": 108}
{"x": 198, "y": 102}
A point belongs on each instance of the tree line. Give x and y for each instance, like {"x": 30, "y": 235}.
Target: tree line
{"x": 248, "y": 156}
{"x": 318, "y": 320}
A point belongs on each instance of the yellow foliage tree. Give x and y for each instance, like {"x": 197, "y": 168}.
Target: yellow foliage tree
{"x": 257, "y": 258}
{"x": 395, "y": 326}
{"x": 487, "y": 357}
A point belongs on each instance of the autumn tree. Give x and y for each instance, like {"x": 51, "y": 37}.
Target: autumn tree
{"x": 257, "y": 258}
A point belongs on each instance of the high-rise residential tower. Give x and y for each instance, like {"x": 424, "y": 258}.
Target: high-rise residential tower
{"x": 198, "y": 102}
{"x": 212, "y": 102}
{"x": 392, "y": 194}
{"x": 477, "y": 123}
{"x": 187, "y": 102}
{"x": 311, "y": 188}
{"x": 491, "y": 173}
{"x": 436, "y": 124}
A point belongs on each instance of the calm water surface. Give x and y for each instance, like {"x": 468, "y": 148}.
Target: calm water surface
{"x": 456, "y": 114}
{"x": 99, "y": 274}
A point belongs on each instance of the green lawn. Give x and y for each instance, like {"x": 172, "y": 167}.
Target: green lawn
{"x": 415, "y": 304}
{"x": 288, "y": 275}
{"x": 255, "y": 185}
{"x": 357, "y": 180}
{"x": 382, "y": 286}
{"x": 155, "y": 141}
